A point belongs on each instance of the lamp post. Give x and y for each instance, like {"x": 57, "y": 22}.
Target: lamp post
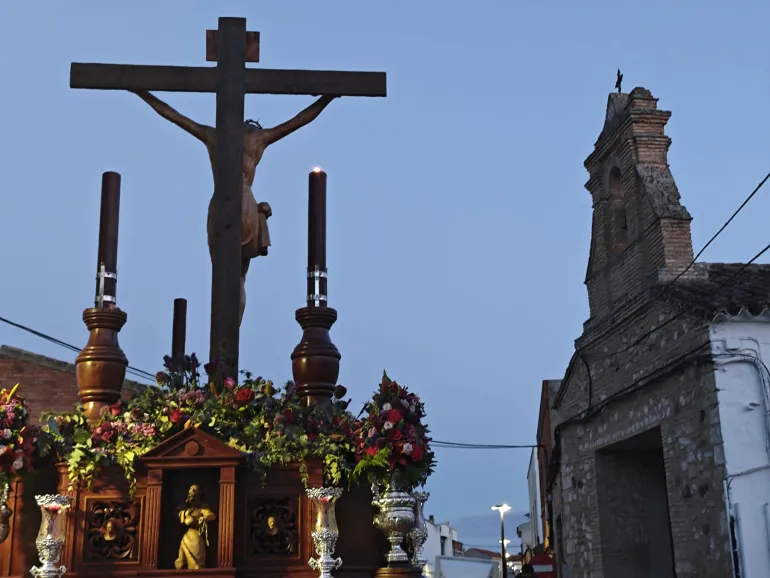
{"x": 502, "y": 508}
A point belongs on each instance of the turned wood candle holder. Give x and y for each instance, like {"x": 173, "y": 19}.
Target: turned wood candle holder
{"x": 315, "y": 361}
{"x": 101, "y": 366}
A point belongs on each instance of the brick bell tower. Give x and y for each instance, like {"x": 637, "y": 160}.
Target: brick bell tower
{"x": 640, "y": 231}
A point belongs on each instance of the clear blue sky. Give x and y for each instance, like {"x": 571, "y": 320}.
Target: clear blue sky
{"x": 458, "y": 221}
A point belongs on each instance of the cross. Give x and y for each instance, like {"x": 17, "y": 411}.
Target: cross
{"x": 231, "y": 46}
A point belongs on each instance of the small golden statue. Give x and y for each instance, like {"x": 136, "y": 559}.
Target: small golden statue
{"x": 195, "y": 515}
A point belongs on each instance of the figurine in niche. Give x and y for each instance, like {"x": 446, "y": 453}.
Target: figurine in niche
{"x": 272, "y": 526}
{"x": 196, "y": 515}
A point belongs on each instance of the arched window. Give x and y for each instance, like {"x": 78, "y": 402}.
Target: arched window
{"x": 618, "y": 210}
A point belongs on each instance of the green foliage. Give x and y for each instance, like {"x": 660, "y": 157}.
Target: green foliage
{"x": 269, "y": 425}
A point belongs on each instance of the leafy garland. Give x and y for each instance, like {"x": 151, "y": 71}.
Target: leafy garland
{"x": 270, "y": 425}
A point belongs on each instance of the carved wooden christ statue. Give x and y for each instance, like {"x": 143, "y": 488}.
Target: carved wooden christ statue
{"x": 255, "y": 235}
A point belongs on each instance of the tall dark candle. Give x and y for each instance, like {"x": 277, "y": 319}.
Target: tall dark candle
{"x": 316, "y": 238}
{"x": 179, "y": 331}
{"x": 107, "y": 255}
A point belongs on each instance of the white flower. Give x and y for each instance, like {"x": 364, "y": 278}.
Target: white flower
{"x": 407, "y": 448}
{"x": 18, "y": 463}
{"x": 404, "y": 403}
{"x": 388, "y": 425}
{"x": 386, "y": 407}
{"x": 412, "y": 408}
{"x": 7, "y": 434}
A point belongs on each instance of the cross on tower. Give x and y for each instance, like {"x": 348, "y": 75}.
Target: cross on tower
{"x": 231, "y": 46}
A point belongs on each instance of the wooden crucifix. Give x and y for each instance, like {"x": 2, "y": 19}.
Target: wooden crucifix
{"x": 237, "y": 224}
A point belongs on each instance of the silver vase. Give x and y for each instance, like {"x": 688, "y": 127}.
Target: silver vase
{"x": 395, "y": 518}
{"x": 50, "y": 538}
{"x": 325, "y": 531}
{"x": 419, "y": 533}
{"x": 5, "y": 513}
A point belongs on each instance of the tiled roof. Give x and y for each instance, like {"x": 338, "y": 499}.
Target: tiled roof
{"x": 729, "y": 290}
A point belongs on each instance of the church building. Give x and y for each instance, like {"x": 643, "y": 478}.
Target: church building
{"x": 661, "y": 462}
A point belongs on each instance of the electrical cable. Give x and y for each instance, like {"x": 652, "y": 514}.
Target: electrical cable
{"x": 132, "y": 370}
{"x": 681, "y": 313}
{"x": 670, "y": 284}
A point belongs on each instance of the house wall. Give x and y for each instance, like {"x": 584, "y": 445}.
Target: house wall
{"x": 48, "y": 385}
{"x": 432, "y": 546}
{"x": 669, "y": 392}
{"x": 533, "y": 483}
{"x": 741, "y": 348}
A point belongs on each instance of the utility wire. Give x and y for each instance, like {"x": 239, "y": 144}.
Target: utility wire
{"x": 689, "y": 266}
{"x": 132, "y": 370}
{"x": 670, "y": 320}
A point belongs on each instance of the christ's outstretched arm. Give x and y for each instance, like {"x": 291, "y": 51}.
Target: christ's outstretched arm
{"x": 305, "y": 117}
{"x": 200, "y": 131}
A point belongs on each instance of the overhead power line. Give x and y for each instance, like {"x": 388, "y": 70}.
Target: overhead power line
{"x": 132, "y": 370}
{"x": 689, "y": 266}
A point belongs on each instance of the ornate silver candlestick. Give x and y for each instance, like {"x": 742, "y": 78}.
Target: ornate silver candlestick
{"x": 50, "y": 538}
{"x": 325, "y": 531}
{"x": 419, "y": 533}
{"x": 396, "y": 518}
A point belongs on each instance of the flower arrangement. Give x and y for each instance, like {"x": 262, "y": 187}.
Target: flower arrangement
{"x": 19, "y": 440}
{"x": 392, "y": 440}
{"x": 270, "y": 425}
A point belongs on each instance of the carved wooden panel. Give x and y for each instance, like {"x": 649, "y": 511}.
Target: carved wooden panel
{"x": 273, "y": 526}
{"x": 111, "y": 530}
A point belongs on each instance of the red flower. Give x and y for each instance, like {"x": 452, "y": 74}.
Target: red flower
{"x": 176, "y": 415}
{"x": 115, "y": 409}
{"x": 417, "y": 454}
{"x": 394, "y": 434}
{"x": 107, "y": 436}
{"x": 371, "y": 451}
{"x": 394, "y": 416}
{"x": 244, "y": 396}
{"x": 289, "y": 416}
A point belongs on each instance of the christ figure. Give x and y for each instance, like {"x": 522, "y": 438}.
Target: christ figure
{"x": 255, "y": 235}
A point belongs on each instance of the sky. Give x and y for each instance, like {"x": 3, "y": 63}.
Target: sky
{"x": 458, "y": 221}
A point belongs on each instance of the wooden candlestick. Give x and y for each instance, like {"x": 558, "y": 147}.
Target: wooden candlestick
{"x": 315, "y": 362}
{"x": 179, "y": 331}
{"x": 101, "y": 365}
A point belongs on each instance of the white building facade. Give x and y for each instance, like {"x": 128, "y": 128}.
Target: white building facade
{"x": 533, "y": 483}
{"x": 740, "y": 346}
{"x": 439, "y": 544}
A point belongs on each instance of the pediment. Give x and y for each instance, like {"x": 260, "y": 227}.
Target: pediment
{"x": 192, "y": 446}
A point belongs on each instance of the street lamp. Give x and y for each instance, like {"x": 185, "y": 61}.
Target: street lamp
{"x": 502, "y": 508}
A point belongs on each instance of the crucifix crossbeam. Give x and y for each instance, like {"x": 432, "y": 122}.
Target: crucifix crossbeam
{"x": 231, "y": 46}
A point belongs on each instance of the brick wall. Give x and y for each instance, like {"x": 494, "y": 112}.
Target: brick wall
{"x": 47, "y": 384}
{"x": 544, "y": 452}
{"x": 640, "y": 228}
{"x": 659, "y": 383}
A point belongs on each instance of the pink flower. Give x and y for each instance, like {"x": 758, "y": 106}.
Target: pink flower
{"x": 229, "y": 383}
